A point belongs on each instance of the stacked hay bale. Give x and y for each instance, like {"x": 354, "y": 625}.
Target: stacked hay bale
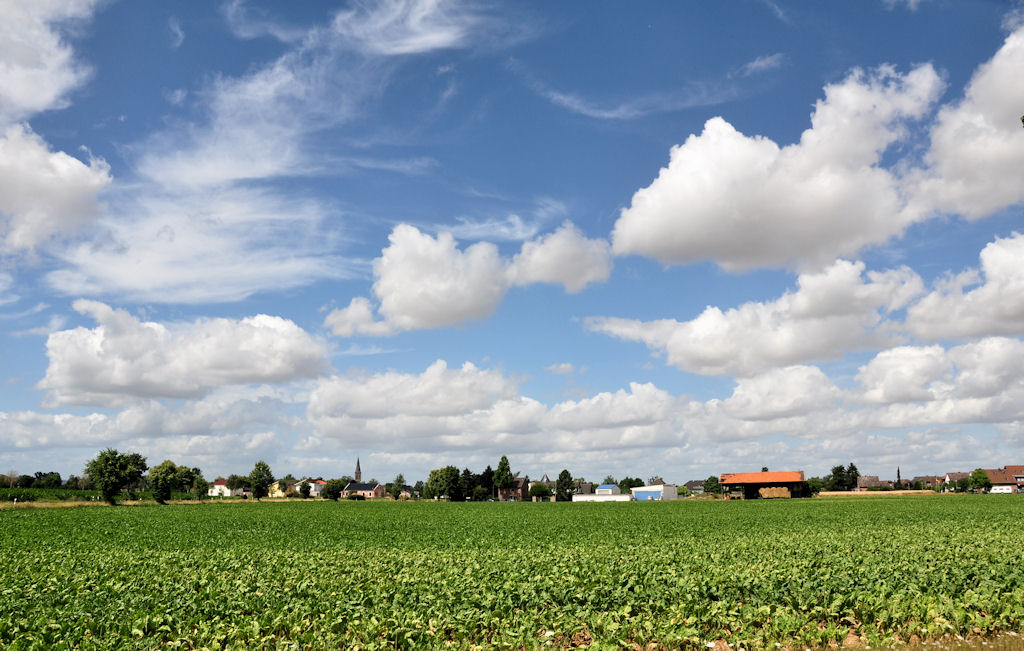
{"x": 770, "y": 492}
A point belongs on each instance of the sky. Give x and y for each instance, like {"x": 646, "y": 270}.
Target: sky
{"x": 649, "y": 239}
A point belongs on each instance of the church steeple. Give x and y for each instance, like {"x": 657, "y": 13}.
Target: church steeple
{"x": 359, "y": 473}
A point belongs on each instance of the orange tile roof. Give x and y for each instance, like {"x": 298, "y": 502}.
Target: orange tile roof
{"x": 782, "y": 477}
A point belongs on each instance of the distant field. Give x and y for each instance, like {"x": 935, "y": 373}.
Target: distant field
{"x": 386, "y": 575}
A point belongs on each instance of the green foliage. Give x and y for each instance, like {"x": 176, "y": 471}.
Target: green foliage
{"x": 980, "y": 482}
{"x": 234, "y": 482}
{"x": 563, "y": 486}
{"x": 385, "y": 575}
{"x": 628, "y": 483}
{"x": 444, "y": 483}
{"x": 333, "y": 489}
{"x": 112, "y": 471}
{"x": 842, "y": 479}
{"x": 503, "y": 478}
{"x": 481, "y": 494}
{"x": 540, "y": 490}
{"x": 304, "y": 489}
{"x": 396, "y": 487}
{"x": 47, "y": 480}
{"x": 168, "y": 478}
{"x": 260, "y": 479}
{"x": 712, "y": 486}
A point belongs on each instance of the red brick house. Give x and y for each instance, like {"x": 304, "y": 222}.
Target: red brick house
{"x": 367, "y": 491}
{"x": 519, "y": 492}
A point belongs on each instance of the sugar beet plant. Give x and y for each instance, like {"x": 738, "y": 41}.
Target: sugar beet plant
{"x": 426, "y": 575}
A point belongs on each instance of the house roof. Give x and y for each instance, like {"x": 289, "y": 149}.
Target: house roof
{"x": 608, "y": 486}
{"x": 352, "y": 486}
{"x": 694, "y": 484}
{"x": 953, "y": 476}
{"x": 1000, "y": 476}
{"x": 221, "y": 482}
{"x": 782, "y": 477}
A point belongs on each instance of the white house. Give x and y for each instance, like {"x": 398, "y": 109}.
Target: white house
{"x": 604, "y": 493}
{"x": 656, "y": 492}
{"x": 220, "y": 489}
{"x": 316, "y": 486}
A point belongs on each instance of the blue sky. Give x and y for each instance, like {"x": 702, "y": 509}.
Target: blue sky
{"x": 670, "y": 239}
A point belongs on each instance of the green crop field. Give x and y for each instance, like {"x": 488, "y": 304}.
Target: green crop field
{"x": 425, "y": 575}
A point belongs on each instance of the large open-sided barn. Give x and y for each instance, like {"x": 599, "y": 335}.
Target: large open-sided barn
{"x": 754, "y": 485}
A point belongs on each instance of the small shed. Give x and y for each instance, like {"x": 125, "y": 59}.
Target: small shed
{"x": 765, "y": 485}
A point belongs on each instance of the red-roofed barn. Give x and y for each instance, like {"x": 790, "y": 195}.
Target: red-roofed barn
{"x": 754, "y": 485}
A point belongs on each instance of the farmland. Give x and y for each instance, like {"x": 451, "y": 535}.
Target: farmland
{"x": 386, "y": 575}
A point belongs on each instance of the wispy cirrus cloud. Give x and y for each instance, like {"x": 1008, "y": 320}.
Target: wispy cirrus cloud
{"x": 761, "y": 64}
{"x": 177, "y": 33}
{"x": 693, "y": 95}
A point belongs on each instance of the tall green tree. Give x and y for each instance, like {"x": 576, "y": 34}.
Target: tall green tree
{"x": 236, "y": 482}
{"x": 443, "y": 482}
{"x": 467, "y": 482}
{"x": 47, "y": 480}
{"x": 112, "y": 471}
{"x": 563, "y": 486}
{"x": 200, "y": 487}
{"x": 628, "y": 483}
{"x": 979, "y": 481}
{"x": 486, "y": 480}
{"x": 852, "y": 475}
{"x": 542, "y": 491}
{"x": 163, "y": 479}
{"x": 260, "y": 479}
{"x": 712, "y": 486}
{"x": 304, "y": 489}
{"x": 396, "y": 487}
{"x": 836, "y": 480}
{"x": 333, "y": 489}
{"x": 503, "y": 478}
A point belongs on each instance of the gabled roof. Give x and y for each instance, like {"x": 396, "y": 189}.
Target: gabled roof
{"x": 783, "y": 477}
{"x": 953, "y": 476}
{"x": 352, "y": 486}
{"x": 1000, "y": 476}
{"x": 221, "y": 482}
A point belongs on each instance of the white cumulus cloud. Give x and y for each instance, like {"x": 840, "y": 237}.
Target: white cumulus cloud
{"x": 424, "y": 282}
{"x": 976, "y": 155}
{"x": 746, "y": 202}
{"x": 994, "y": 304}
{"x": 43, "y": 194}
{"x": 37, "y": 67}
{"x": 832, "y": 311}
{"x": 124, "y": 358}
